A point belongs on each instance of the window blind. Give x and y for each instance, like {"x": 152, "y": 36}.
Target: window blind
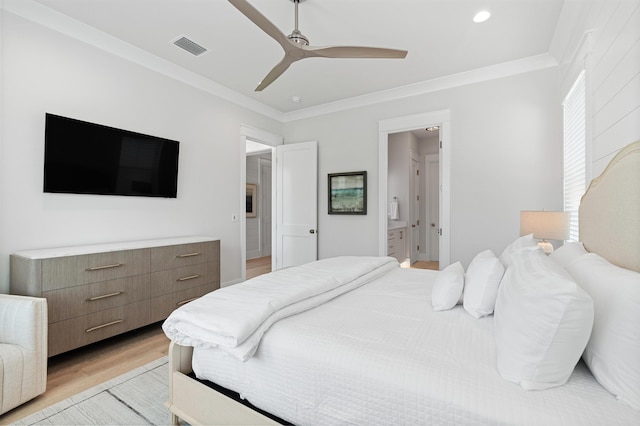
{"x": 574, "y": 152}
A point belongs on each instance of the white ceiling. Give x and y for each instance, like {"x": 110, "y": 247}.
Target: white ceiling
{"x": 439, "y": 34}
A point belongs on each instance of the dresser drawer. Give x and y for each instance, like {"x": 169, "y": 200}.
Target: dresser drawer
{"x": 396, "y": 244}
{"x": 98, "y": 291}
{"x": 63, "y": 272}
{"x": 80, "y": 331}
{"x": 176, "y": 256}
{"x": 172, "y": 280}
{"x": 89, "y": 298}
{"x": 162, "y": 306}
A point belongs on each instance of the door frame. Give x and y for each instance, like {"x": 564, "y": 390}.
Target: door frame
{"x": 414, "y": 218}
{"x": 266, "y": 138}
{"x": 429, "y": 162}
{"x": 262, "y": 165}
{"x": 440, "y": 118}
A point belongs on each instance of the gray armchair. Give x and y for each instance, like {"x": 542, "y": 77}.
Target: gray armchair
{"x": 23, "y": 349}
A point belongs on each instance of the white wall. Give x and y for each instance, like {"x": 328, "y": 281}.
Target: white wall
{"x": 603, "y": 37}
{"x": 399, "y": 157}
{"x": 505, "y": 137}
{"x": 506, "y": 156}
{"x": 253, "y": 223}
{"x": 44, "y": 71}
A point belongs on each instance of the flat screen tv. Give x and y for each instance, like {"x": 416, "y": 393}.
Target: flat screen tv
{"x": 87, "y": 158}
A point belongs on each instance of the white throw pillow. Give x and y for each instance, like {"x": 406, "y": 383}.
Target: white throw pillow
{"x": 568, "y": 252}
{"x": 613, "y": 352}
{"x": 542, "y": 322}
{"x": 481, "y": 284}
{"x": 447, "y": 288}
{"x": 523, "y": 242}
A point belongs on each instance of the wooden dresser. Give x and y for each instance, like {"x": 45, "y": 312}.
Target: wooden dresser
{"x": 98, "y": 291}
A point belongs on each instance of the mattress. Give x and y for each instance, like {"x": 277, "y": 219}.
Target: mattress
{"x": 380, "y": 355}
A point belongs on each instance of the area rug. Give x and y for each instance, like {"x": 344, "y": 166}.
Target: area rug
{"x": 135, "y": 398}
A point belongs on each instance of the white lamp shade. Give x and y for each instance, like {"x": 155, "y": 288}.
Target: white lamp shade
{"x": 545, "y": 225}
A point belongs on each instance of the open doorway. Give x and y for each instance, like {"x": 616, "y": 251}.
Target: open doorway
{"x": 413, "y": 195}
{"x": 258, "y": 179}
{"x": 295, "y": 172}
{"x": 406, "y": 124}
{"x": 255, "y": 142}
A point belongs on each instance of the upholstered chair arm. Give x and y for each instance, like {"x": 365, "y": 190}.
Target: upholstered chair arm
{"x": 23, "y": 322}
{"x": 23, "y": 349}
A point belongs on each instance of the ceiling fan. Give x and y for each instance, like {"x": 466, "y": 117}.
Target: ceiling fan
{"x": 296, "y": 45}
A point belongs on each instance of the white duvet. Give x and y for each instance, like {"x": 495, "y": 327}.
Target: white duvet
{"x": 235, "y": 318}
{"x": 380, "y": 355}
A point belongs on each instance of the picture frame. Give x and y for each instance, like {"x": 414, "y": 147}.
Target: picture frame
{"x": 348, "y": 193}
{"x": 252, "y": 200}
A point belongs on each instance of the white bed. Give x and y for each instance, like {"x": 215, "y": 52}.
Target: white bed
{"x": 380, "y": 354}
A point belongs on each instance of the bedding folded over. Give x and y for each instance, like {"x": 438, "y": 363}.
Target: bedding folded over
{"x": 234, "y": 318}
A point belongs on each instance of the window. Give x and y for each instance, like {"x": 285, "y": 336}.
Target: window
{"x": 574, "y": 152}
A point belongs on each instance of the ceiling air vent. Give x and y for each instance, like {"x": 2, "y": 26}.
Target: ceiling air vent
{"x": 189, "y": 45}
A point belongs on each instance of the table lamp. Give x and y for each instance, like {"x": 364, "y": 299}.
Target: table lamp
{"x": 545, "y": 225}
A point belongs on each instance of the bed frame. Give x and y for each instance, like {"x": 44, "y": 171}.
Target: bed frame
{"x": 613, "y": 232}
{"x": 610, "y": 211}
{"x": 197, "y": 403}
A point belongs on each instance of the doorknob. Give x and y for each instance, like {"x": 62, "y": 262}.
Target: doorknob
{"x": 433, "y": 225}
{"x": 312, "y": 231}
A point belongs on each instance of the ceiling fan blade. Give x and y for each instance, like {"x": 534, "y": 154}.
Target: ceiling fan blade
{"x": 261, "y": 21}
{"x": 355, "y": 52}
{"x": 275, "y": 73}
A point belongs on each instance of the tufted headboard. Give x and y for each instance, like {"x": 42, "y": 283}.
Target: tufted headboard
{"x": 610, "y": 211}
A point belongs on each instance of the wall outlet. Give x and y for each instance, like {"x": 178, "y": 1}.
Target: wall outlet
{"x": 234, "y": 217}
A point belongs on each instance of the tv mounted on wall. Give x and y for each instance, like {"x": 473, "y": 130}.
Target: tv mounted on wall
{"x": 88, "y": 158}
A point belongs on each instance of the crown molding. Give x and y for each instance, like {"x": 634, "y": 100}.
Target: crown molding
{"x": 478, "y": 75}
{"x": 42, "y": 15}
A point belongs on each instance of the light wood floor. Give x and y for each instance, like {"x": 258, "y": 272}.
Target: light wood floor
{"x": 258, "y": 266}
{"x": 76, "y": 371}
{"x": 423, "y": 264}
{"x": 73, "y": 372}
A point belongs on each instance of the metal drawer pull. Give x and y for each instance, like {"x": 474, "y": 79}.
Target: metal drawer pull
{"x": 104, "y": 296}
{"x": 190, "y": 277}
{"x": 184, "y": 302}
{"x": 180, "y": 256}
{"x": 98, "y": 327}
{"x": 97, "y": 268}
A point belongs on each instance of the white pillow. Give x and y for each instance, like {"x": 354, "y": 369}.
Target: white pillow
{"x": 613, "y": 352}
{"x": 523, "y": 242}
{"x": 542, "y": 322}
{"x": 481, "y": 284}
{"x": 448, "y": 287}
{"x": 568, "y": 252}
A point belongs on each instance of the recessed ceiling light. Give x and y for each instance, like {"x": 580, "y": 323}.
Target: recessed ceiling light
{"x": 432, "y": 128}
{"x": 296, "y": 99}
{"x": 481, "y": 16}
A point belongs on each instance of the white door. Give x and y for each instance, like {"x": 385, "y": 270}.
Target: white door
{"x": 296, "y": 204}
{"x": 432, "y": 184}
{"x": 265, "y": 205}
{"x": 414, "y": 241}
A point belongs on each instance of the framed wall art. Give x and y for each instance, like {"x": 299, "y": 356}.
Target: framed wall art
{"x": 252, "y": 200}
{"x": 348, "y": 193}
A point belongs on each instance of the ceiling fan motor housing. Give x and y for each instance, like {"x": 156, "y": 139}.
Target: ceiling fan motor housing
{"x": 297, "y": 37}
